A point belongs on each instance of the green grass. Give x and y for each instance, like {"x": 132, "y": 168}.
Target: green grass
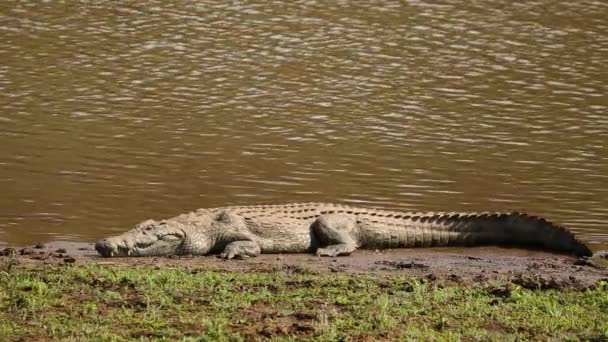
{"x": 118, "y": 303}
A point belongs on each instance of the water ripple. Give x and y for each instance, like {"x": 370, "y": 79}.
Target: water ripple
{"x": 112, "y": 113}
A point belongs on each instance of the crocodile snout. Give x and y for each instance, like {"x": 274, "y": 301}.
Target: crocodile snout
{"x": 106, "y": 248}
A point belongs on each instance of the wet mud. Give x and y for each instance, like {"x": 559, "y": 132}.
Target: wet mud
{"x": 462, "y": 266}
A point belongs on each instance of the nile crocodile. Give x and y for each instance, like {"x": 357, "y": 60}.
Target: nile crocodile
{"x": 331, "y": 230}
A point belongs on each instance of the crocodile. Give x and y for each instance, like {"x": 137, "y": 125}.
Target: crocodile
{"x": 331, "y": 230}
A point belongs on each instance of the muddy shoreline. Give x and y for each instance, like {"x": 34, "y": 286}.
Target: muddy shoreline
{"x": 464, "y": 266}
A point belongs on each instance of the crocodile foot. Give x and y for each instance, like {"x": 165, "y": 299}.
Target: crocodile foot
{"x": 240, "y": 250}
{"x": 337, "y": 250}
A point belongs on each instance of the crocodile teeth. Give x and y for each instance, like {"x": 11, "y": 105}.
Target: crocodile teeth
{"x": 129, "y": 253}
{"x": 111, "y": 254}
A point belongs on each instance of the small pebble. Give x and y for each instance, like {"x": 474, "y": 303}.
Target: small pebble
{"x": 8, "y": 251}
{"x": 26, "y": 251}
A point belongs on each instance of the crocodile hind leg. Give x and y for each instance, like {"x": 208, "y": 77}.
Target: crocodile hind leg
{"x": 241, "y": 250}
{"x": 337, "y": 233}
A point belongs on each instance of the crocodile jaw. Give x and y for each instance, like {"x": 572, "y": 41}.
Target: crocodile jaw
{"x": 118, "y": 247}
{"x": 149, "y": 238}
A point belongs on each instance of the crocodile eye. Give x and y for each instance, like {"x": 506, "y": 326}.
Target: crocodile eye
{"x": 148, "y": 228}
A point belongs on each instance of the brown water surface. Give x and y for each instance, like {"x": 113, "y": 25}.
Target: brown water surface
{"x": 113, "y": 112}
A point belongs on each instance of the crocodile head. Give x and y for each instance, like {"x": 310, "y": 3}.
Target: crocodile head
{"x": 158, "y": 238}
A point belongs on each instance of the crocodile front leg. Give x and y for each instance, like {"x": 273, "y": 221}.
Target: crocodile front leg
{"x": 241, "y": 250}
{"x": 337, "y": 232}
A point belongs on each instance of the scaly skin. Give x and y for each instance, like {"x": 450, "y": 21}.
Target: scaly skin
{"x": 331, "y": 230}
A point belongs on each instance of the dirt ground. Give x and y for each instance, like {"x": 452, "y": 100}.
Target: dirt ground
{"x": 530, "y": 269}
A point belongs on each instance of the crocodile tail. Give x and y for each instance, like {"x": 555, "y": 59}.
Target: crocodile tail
{"x": 519, "y": 229}
{"x": 557, "y": 237}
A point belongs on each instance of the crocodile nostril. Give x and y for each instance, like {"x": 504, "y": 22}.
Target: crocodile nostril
{"x": 105, "y": 248}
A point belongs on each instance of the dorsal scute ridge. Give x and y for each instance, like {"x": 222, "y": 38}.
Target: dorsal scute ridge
{"x": 430, "y": 216}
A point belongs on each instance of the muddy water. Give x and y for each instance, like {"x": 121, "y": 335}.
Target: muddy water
{"x": 111, "y": 113}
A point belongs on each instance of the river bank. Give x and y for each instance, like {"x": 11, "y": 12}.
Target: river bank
{"x": 191, "y": 300}
{"x": 63, "y": 291}
{"x": 462, "y": 265}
